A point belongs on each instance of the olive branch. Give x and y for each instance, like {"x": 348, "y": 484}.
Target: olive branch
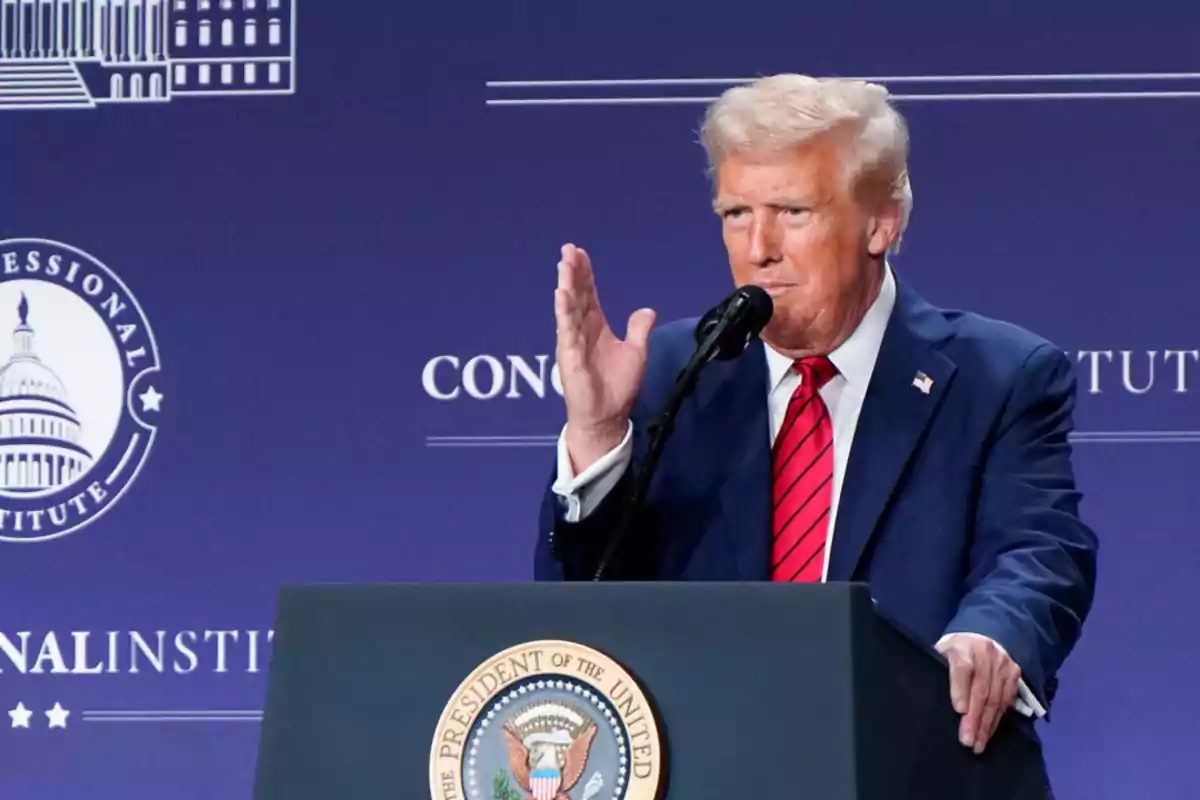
{"x": 502, "y": 789}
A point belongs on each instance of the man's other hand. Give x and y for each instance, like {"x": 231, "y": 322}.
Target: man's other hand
{"x": 983, "y": 685}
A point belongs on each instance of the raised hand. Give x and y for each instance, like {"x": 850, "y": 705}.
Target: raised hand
{"x": 600, "y": 373}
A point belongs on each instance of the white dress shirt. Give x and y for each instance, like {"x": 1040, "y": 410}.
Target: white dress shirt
{"x": 843, "y": 395}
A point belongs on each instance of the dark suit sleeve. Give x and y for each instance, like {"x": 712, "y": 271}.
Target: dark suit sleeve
{"x": 1033, "y": 560}
{"x": 571, "y": 551}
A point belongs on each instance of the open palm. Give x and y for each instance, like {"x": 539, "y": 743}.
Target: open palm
{"x": 600, "y": 373}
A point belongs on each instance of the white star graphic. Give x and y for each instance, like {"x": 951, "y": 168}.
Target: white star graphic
{"x": 58, "y": 716}
{"x": 20, "y": 716}
{"x": 151, "y": 399}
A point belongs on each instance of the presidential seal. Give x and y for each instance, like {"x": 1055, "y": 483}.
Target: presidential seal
{"x": 547, "y": 720}
{"x": 78, "y": 399}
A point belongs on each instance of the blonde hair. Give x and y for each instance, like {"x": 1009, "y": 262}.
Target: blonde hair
{"x": 780, "y": 112}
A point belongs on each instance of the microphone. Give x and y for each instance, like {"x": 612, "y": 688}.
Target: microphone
{"x": 725, "y": 330}
{"x": 722, "y": 334}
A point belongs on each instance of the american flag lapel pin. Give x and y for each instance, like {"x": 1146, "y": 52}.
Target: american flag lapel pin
{"x": 923, "y": 382}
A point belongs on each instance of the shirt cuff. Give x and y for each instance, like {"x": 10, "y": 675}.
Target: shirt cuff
{"x": 1025, "y": 702}
{"x": 581, "y": 494}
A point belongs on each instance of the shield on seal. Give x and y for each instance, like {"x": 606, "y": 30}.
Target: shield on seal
{"x": 545, "y": 783}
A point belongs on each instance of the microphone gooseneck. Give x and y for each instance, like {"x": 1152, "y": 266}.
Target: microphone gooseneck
{"x": 722, "y": 334}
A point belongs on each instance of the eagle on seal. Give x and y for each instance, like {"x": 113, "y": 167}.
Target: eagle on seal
{"x": 548, "y": 765}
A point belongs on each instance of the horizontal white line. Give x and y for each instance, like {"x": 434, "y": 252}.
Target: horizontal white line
{"x": 1139, "y": 433}
{"x": 229, "y": 92}
{"x": 1139, "y": 441}
{"x": 64, "y": 105}
{"x": 596, "y": 101}
{"x": 1009, "y": 78}
{"x": 538, "y": 437}
{"x": 173, "y": 715}
{"x": 684, "y": 100}
{"x": 141, "y": 101}
{"x": 491, "y": 444}
{"x": 42, "y": 91}
{"x": 1082, "y": 437}
{"x": 146, "y": 712}
{"x": 491, "y": 441}
{"x": 1137, "y": 438}
{"x": 283, "y": 59}
{"x": 172, "y": 719}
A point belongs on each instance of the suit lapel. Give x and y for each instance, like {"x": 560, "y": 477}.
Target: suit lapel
{"x": 906, "y": 388}
{"x": 732, "y": 400}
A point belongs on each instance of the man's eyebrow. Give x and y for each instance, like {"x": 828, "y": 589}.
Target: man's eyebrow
{"x": 781, "y": 201}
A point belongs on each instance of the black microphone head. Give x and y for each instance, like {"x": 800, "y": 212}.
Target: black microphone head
{"x": 737, "y": 320}
{"x": 760, "y": 307}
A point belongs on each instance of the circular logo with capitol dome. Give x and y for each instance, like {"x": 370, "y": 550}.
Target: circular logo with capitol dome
{"x": 547, "y": 720}
{"x": 78, "y": 404}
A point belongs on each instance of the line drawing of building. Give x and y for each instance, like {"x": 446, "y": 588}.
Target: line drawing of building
{"x": 80, "y": 53}
{"x": 40, "y": 447}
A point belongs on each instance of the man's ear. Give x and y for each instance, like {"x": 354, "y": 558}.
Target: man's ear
{"x": 883, "y": 228}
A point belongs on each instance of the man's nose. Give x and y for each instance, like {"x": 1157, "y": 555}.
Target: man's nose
{"x": 764, "y": 240}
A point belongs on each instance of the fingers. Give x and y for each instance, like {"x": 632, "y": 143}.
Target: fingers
{"x": 566, "y": 269}
{"x": 962, "y": 669}
{"x": 1009, "y": 677}
{"x": 577, "y": 278}
{"x": 977, "y": 697}
{"x": 977, "y": 702}
{"x": 1011, "y": 684}
{"x": 992, "y": 704}
{"x": 640, "y": 324}
{"x": 983, "y": 684}
{"x": 568, "y": 320}
{"x": 577, "y": 306}
{"x": 584, "y": 276}
{"x": 969, "y": 681}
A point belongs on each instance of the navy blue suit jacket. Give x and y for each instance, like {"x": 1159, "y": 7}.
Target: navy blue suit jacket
{"x": 959, "y": 507}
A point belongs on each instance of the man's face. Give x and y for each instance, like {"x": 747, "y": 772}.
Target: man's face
{"x": 794, "y": 224}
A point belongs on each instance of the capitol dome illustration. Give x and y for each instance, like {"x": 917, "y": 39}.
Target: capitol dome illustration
{"x": 40, "y": 433}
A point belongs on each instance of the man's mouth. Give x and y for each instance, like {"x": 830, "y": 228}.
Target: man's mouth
{"x": 774, "y": 288}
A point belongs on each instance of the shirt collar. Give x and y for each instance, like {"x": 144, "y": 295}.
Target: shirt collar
{"x": 855, "y": 357}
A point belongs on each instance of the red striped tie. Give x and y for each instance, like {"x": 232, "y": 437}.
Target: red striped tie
{"x": 803, "y": 478}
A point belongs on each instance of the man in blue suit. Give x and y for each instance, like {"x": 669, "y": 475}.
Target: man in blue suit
{"x": 868, "y": 437}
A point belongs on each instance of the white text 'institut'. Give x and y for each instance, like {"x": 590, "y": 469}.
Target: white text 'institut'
{"x": 56, "y": 51}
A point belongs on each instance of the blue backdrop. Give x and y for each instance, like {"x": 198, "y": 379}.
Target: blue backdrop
{"x": 334, "y": 227}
